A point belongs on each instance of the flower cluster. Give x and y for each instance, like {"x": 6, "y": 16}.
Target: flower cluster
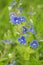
{"x": 17, "y": 19}
{"x": 25, "y": 29}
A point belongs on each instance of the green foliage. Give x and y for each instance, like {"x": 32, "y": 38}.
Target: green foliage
{"x": 23, "y": 54}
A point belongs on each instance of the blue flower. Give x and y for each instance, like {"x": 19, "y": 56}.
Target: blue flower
{"x": 14, "y": 63}
{"x": 20, "y": 9}
{"x": 8, "y": 41}
{"x": 14, "y": 3}
{"x": 31, "y": 13}
{"x": 24, "y": 29}
{"x": 34, "y": 44}
{"x": 12, "y": 17}
{"x": 32, "y": 30}
{"x": 7, "y": 64}
{"x": 22, "y": 40}
{"x": 16, "y": 20}
{"x": 22, "y": 19}
{"x": 5, "y": 41}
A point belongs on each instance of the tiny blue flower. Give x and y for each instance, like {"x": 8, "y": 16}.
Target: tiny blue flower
{"x": 22, "y": 19}
{"x": 15, "y": 20}
{"x": 14, "y": 63}
{"x": 14, "y": 3}
{"x": 12, "y": 17}
{"x": 24, "y": 29}
{"x": 31, "y": 13}
{"x": 20, "y": 9}
{"x": 7, "y": 64}
{"x": 22, "y": 40}
{"x": 32, "y": 30}
{"x": 5, "y": 41}
{"x": 19, "y": 19}
{"x": 34, "y": 44}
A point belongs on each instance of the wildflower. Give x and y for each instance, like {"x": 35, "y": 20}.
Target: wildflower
{"x": 22, "y": 40}
{"x": 22, "y": 19}
{"x": 31, "y": 13}
{"x": 8, "y": 41}
{"x": 24, "y": 29}
{"x": 14, "y": 63}
{"x": 5, "y": 41}
{"x": 32, "y": 30}
{"x": 20, "y": 9}
{"x": 7, "y": 64}
{"x": 34, "y": 44}
{"x": 16, "y": 20}
{"x": 14, "y": 3}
